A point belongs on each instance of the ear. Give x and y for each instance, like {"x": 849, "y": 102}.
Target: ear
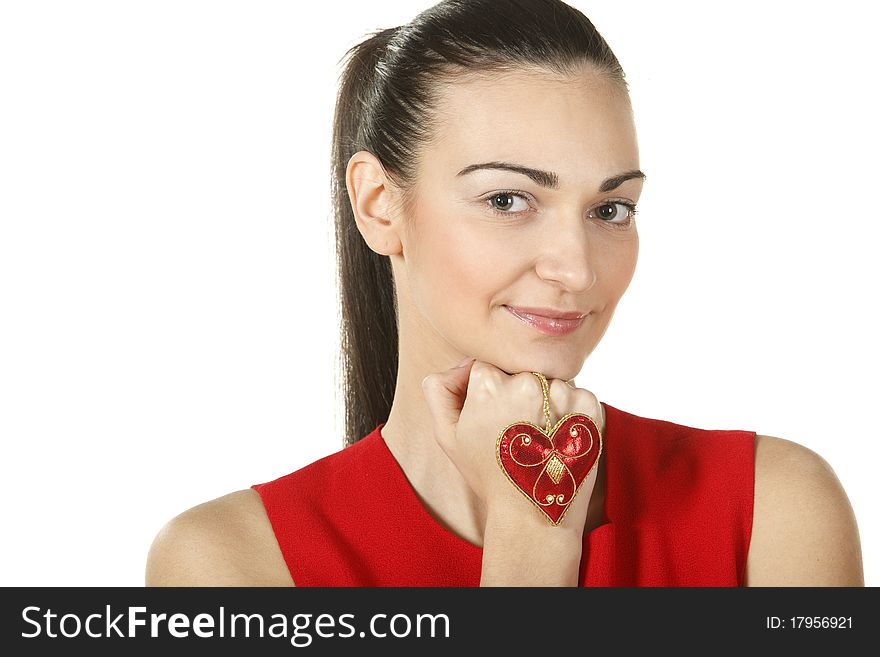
{"x": 371, "y": 194}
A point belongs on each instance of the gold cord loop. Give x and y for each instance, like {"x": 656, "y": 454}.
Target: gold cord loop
{"x": 545, "y": 389}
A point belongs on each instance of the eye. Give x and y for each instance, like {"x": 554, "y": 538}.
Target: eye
{"x": 506, "y": 202}
{"x": 620, "y": 214}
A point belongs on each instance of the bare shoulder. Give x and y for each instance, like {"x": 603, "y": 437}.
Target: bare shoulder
{"x": 804, "y": 532}
{"x": 225, "y": 542}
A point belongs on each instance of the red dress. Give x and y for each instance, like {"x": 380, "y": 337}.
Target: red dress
{"x": 678, "y": 512}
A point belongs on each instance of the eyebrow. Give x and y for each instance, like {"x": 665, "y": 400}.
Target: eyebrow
{"x": 549, "y": 179}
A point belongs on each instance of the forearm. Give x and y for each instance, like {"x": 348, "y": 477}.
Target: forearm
{"x": 530, "y": 553}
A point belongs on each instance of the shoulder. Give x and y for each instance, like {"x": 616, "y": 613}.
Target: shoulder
{"x": 804, "y": 532}
{"x": 228, "y": 541}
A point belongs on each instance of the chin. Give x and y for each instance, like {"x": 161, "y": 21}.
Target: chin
{"x": 560, "y": 367}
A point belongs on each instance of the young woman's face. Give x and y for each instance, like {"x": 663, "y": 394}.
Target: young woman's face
{"x": 484, "y": 243}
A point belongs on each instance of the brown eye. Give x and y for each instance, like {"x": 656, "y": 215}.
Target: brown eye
{"x": 506, "y": 203}
{"x": 617, "y": 213}
{"x": 502, "y": 201}
{"x": 608, "y": 211}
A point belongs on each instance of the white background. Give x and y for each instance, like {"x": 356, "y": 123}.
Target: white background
{"x": 167, "y": 309}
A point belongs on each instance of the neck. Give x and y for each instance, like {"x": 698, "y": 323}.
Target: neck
{"x": 409, "y": 435}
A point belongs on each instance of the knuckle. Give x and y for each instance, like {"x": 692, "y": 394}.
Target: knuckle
{"x": 587, "y": 399}
{"x": 561, "y": 395}
{"x": 486, "y": 371}
{"x": 478, "y": 371}
{"x": 560, "y": 387}
{"x": 481, "y": 382}
{"x": 526, "y": 383}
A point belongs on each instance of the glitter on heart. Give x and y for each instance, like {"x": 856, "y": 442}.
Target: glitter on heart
{"x": 549, "y": 468}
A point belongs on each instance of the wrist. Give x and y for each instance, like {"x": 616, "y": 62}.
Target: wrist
{"x": 530, "y": 525}
{"x": 523, "y": 551}
{"x": 511, "y": 511}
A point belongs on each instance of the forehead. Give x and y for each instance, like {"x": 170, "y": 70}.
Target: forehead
{"x": 573, "y": 125}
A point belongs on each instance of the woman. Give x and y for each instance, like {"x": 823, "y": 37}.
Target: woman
{"x": 486, "y": 175}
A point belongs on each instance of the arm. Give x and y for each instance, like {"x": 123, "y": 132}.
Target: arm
{"x": 804, "y": 532}
{"x": 534, "y": 553}
{"x": 225, "y": 542}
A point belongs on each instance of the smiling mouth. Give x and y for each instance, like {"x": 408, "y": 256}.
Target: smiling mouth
{"x": 546, "y": 324}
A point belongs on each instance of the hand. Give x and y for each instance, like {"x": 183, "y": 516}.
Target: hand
{"x": 471, "y": 404}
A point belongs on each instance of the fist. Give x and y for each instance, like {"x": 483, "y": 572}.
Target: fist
{"x": 472, "y": 404}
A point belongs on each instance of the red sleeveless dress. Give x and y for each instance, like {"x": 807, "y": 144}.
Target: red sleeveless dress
{"x": 678, "y": 512}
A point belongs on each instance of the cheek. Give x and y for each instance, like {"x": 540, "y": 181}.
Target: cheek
{"x": 459, "y": 269}
{"x": 627, "y": 264}
{"x": 616, "y": 266}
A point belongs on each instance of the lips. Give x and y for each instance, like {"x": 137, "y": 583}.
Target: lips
{"x": 549, "y": 320}
{"x": 549, "y": 313}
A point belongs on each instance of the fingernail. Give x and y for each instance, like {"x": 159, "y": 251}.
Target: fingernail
{"x": 464, "y": 362}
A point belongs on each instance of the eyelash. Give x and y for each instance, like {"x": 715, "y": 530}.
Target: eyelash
{"x": 633, "y": 210}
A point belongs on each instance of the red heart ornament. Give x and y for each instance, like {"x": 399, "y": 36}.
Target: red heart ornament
{"x": 549, "y": 470}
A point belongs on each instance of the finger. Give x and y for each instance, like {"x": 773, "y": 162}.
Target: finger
{"x": 445, "y": 394}
{"x": 531, "y": 389}
{"x": 565, "y": 399}
{"x": 560, "y": 399}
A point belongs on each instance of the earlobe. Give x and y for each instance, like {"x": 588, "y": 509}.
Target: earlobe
{"x": 369, "y": 192}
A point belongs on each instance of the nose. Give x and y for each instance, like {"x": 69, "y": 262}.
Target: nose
{"x": 565, "y": 257}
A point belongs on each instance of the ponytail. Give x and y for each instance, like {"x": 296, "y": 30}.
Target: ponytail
{"x": 367, "y": 305}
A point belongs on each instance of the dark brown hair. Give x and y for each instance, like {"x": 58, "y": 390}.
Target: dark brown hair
{"x": 384, "y": 105}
